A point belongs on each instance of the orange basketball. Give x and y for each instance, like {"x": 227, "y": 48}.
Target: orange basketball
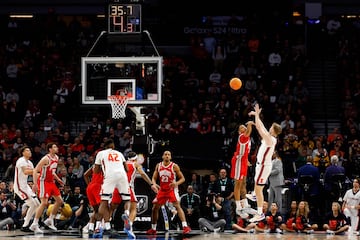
{"x": 235, "y": 83}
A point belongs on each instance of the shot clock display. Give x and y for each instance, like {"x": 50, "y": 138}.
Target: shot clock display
{"x": 124, "y": 18}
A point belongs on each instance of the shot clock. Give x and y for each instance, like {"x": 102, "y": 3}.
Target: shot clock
{"x": 124, "y": 17}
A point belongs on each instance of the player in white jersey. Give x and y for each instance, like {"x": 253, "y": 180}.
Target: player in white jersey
{"x": 23, "y": 168}
{"x": 263, "y": 160}
{"x": 112, "y": 163}
{"x": 351, "y": 206}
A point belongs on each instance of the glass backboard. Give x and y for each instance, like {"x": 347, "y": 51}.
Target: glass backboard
{"x": 104, "y": 76}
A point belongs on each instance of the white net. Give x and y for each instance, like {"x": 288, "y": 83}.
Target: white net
{"x": 118, "y": 105}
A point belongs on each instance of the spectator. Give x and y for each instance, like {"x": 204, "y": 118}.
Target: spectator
{"x": 330, "y": 185}
{"x": 2, "y": 94}
{"x": 190, "y": 203}
{"x": 61, "y": 94}
{"x": 79, "y": 207}
{"x": 63, "y": 217}
{"x": 309, "y": 180}
{"x": 303, "y": 221}
{"x": 335, "y": 221}
{"x": 225, "y": 187}
{"x": 78, "y": 173}
{"x": 273, "y": 219}
{"x": 50, "y": 123}
{"x": 12, "y": 96}
{"x": 289, "y": 218}
{"x": 6, "y": 211}
{"x": 320, "y": 157}
{"x": 196, "y": 184}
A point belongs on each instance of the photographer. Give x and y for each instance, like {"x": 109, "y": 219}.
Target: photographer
{"x": 6, "y": 210}
{"x": 212, "y": 212}
{"x": 79, "y": 207}
{"x": 320, "y": 157}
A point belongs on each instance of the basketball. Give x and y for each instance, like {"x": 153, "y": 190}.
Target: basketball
{"x": 235, "y": 83}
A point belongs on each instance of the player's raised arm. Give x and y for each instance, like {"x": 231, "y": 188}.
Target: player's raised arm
{"x": 264, "y": 133}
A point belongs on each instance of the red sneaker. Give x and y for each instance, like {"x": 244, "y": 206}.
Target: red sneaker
{"x": 186, "y": 230}
{"x": 151, "y": 232}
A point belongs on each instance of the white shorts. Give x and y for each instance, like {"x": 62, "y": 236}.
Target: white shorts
{"x": 119, "y": 182}
{"x": 25, "y": 193}
{"x": 262, "y": 173}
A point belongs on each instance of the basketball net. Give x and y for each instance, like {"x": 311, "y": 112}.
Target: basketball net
{"x": 118, "y": 104}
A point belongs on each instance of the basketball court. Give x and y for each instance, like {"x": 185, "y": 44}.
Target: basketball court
{"x": 126, "y": 78}
{"x": 176, "y": 235}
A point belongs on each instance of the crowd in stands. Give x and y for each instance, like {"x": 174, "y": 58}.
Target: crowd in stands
{"x": 40, "y": 76}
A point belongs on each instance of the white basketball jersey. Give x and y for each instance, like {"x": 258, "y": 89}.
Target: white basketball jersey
{"x": 20, "y": 180}
{"x": 265, "y": 152}
{"x": 351, "y": 198}
{"x": 111, "y": 161}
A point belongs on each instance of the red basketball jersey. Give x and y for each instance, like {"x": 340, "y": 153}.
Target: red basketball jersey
{"x": 47, "y": 171}
{"x": 167, "y": 175}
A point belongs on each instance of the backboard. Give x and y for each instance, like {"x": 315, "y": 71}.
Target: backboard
{"x": 103, "y": 76}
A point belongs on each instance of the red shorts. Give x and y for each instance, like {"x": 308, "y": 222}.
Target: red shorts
{"x": 93, "y": 194}
{"x": 47, "y": 189}
{"x": 239, "y": 168}
{"x": 168, "y": 195}
{"x": 116, "y": 198}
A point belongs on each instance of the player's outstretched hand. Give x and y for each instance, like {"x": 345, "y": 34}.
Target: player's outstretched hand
{"x": 257, "y": 108}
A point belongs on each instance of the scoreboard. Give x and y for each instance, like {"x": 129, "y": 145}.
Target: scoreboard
{"x": 124, "y": 17}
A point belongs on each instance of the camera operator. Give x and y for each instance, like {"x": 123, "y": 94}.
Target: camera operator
{"x": 79, "y": 206}
{"x": 213, "y": 215}
{"x": 6, "y": 211}
{"x": 320, "y": 157}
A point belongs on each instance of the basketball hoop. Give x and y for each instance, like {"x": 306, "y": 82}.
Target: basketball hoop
{"x": 118, "y": 104}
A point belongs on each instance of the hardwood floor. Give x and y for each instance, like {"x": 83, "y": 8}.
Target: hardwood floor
{"x": 174, "y": 235}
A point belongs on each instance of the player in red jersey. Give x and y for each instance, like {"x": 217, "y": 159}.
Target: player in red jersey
{"x": 170, "y": 177}
{"x": 239, "y": 166}
{"x": 133, "y": 168}
{"x": 44, "y": 176}
{"x": 94, "y": 182}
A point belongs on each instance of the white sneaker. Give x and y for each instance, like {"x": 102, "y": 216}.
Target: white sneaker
{"x": 216, "y": 230}
{"x": 35, "y": 228}
{"x": 330, "y": 232}
{"x": 250, "y": 211}
{"x": 311, "y": 231}
{"x": 257, "y": 218}
{"x": 251, "y": 196}
{"x": 241, "y": 213}
{"x": 251, "y": 231}
{"x": 278, "y": 230}
{"x": 267, "y": 230}
{"x": 356, "y": 233}
{"x": 50, "y": 224}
